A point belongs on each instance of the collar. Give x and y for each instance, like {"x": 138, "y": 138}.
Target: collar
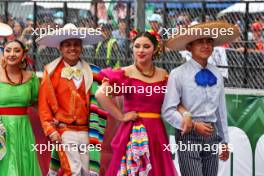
{"x": 87, "y": 71}
{"x": 196, "y": 65}
{"x": 77, "y": 66}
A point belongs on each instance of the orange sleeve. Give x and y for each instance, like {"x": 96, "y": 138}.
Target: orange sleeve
{"x": 44, "y": 107}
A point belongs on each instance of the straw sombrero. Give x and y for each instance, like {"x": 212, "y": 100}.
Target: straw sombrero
{"x": 212, "y": 29}
{"x": 5, "y": 30}
{"x": 69, "y": 31}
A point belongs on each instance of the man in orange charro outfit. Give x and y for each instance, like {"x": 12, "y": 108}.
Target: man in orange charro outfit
{"x": 64, "y": 98}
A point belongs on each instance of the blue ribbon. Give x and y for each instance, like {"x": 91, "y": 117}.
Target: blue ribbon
{"x": 205, "y": 78}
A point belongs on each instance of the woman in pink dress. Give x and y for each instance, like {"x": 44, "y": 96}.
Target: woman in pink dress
{"x": 139, "y": 144}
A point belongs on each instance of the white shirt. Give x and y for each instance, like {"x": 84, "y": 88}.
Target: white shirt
{"x": 207, "y": 104}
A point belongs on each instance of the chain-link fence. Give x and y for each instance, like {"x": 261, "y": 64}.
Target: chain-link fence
{"x": 245, "y": 56}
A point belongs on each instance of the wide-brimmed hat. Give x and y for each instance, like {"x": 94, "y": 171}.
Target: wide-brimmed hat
{"x": 70, "y": 31}
{"x": 221, "y": 33}
{"x": 5, "y": 30}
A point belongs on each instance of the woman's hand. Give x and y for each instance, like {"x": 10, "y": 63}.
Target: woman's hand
{"x": 181, "y": 108}
{"x": 187, "y": 125}
{"x": 132, "y": 115}
{"x": 108, "y": 104}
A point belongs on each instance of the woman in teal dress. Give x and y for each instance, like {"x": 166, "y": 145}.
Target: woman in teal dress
{"x": 18, "y": 91}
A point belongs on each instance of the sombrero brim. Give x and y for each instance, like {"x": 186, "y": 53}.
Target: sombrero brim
{"x": 179, "y": 42}
{"x": 53, "y": 40}
{"x": 5, "y": 30}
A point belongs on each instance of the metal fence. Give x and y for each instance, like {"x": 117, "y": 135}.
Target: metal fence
{"x": 245, "y": 56}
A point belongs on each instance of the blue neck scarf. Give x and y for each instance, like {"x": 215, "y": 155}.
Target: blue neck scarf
{"x": 205, "y": 78}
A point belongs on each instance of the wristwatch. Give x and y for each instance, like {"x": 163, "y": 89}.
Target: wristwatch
{"x": 187, "y": 114}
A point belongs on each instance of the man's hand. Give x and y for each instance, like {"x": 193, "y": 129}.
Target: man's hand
{"x": 225, "y": 152}
{"x": 203, "y": 129}
{"x": 187, "y": 125}
{"x": 55, "y": 137}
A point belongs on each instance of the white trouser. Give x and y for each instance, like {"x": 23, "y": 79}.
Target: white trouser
{"x": 77, "y": 152}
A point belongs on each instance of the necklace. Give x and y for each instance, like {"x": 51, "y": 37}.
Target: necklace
{"x": 13, "y": 83}
{"x": 153, "y": 69}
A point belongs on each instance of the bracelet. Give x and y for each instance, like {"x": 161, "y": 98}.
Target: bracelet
{"x": 187, "y": 114}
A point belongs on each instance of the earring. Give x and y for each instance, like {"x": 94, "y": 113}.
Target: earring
{"x": 23, "y": 64}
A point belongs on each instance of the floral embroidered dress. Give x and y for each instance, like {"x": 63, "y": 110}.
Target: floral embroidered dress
{"x": 138, "y": 146}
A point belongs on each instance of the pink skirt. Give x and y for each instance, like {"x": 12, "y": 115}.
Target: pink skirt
{"x": 160, "y": 159}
